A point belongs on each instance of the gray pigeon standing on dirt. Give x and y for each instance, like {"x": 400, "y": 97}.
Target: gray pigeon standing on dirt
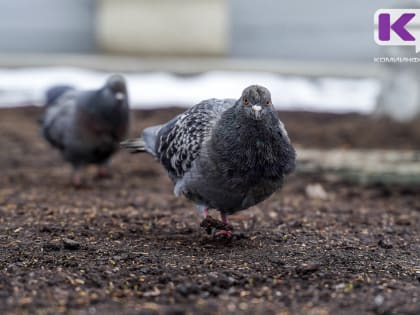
{"x": 223, "y": 154}
{"x": 87, "y": 126}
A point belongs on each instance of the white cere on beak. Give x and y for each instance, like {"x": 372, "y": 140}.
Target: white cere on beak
{"x": 257, "y": 108}
{"x": 119, "y": 96}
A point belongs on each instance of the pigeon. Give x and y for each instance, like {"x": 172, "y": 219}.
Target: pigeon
{"x": 223, "y": 154}
{"x": 87, "y": 126}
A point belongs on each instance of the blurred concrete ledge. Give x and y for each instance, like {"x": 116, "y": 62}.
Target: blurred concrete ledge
{"x": 190, "y": 66}
{"x": 362, "y": 166}
{"x": 163, "y": 27}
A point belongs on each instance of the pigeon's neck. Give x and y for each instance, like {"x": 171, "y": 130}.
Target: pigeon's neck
{"x": 100, "y": 114}
{"x": 96, "y": 104}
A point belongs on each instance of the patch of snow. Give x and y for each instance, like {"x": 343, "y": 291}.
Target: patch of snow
{"x": 152, "y": 90}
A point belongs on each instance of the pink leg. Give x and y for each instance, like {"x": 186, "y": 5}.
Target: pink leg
{"x": 206, "y": 212}
{"x": 77, "y": 179}
{"x": 103, "y": 171}
{"x": 224, "y": 218}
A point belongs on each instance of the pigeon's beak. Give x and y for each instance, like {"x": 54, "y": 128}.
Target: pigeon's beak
{"x": 119, "y": 96}
{"x": 256, "y": 109}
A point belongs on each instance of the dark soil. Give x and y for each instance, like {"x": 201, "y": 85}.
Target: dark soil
{"x": 127, "y": 245}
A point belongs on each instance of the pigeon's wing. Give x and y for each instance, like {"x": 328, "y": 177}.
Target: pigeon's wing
{"x": 55, "y": 92}
{"x": 288, "y": 150}
{"x": 283, "y": 130}
{"x": 178, "y": 142}
{"x": 58, "y": 119}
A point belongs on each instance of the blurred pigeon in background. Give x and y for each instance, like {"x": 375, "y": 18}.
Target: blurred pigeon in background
{"x": 223, "y": 154}
{"x": 87, "y": 126}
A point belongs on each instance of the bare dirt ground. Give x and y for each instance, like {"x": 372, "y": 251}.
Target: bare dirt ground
{"x": 127, "y": 245}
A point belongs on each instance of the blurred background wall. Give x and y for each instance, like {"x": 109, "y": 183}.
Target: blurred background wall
{"x": 299, "y": 30}
{"x": 47, "y": 26}
{"x": 326, "y": 30}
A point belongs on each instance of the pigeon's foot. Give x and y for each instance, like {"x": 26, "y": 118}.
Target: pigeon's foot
{"x": 103, "y": 172}
{"x": 216, "y": 228}
{"x": 222, "y": 235}
{"x": 76, "y": 180}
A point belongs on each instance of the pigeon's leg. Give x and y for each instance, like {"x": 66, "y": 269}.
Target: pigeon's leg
{"x": 203, "y": 210}
{"x": 103, "y": 170}
{"x": 224, "y": 218}
{"x": 76, "y": 177}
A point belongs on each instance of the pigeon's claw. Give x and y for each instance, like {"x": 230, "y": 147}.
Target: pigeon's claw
{"x": 222, "y": 235}
{"x": 208, "y": 224}
{"x": 217, "y": 228}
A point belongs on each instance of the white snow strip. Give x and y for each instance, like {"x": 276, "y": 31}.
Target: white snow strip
{"x": 151, "y": 90}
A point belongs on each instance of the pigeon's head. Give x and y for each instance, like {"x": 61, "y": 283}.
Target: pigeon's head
{"x": 256, "y": 102}
{"x": 116, "y": 86}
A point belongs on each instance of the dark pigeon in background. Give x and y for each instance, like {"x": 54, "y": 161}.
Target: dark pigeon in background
{"x": 223, "y": 154}
{"x": 87, "y": 126}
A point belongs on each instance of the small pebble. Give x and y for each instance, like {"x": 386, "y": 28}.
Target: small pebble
{"x": 70, "y": 244}
{"x": 385, "y": 244}
{"x": 316, "y": 191}
{"x": 183, "y": 290}
{"x": 379, "y": 300}
{"x": 295, "y": 224}
{"x": 239, "y": 236}
{"x": 307, "y": 268}
{"x": 403, "y": 220}
{"x": 51, "y": 246}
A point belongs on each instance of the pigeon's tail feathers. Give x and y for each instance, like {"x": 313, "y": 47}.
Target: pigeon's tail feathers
{"x": 54, "y": 93}
{"x": 134, "y": 145}
{"x": 150, "y": 136}
{"x": 146, "y": 143}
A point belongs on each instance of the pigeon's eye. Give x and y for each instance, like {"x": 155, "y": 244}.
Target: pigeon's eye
{"x": 246, "y": 102}
{"x": 267, "y": 103}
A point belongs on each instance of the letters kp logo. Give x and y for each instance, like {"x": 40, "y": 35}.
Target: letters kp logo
{"x": 398, "y": 27}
